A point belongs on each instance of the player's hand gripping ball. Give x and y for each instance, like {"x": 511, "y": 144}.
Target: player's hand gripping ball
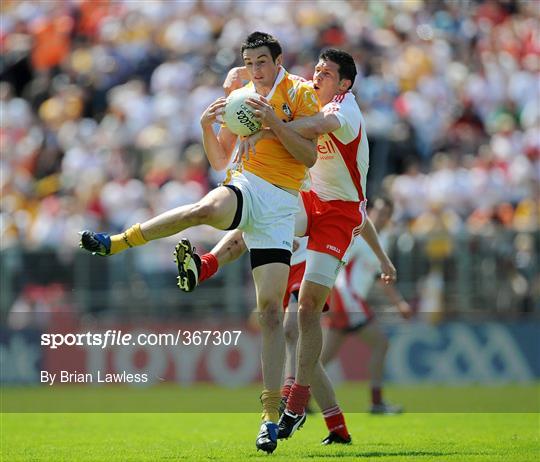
{"x": 238, "y": 116}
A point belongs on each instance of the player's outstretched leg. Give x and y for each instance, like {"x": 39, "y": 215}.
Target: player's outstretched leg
{"x": 189, "y": 265}
{"x": 97, "y": 243}
{"x": 217, "y": 209}
{"x": 104, "y": 244}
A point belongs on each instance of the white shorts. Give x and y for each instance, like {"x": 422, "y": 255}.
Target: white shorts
{"x": 322, "y": 268}
{"x": 268, "y": 212}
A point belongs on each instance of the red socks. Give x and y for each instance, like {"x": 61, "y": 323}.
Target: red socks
{"x": 298, "y": 398}
{"x": 286, "y": 388}
{"x": 335, "y": 421}
{"x": 209, "y": 266}
{"x": 376, "y": 395}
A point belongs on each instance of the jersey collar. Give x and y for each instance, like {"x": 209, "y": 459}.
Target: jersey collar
{"x": 279, "y": 78}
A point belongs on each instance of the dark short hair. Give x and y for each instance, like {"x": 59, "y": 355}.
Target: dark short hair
{"x": 347, "y": 68}
{"x": 262, "y": 39}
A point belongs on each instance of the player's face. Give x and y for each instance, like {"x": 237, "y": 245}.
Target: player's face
{"x": 261, "y": 68}
{"x": 326, "y": 81}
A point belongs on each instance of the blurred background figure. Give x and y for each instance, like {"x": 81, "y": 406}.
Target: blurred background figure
{"x": 350, "y": 314}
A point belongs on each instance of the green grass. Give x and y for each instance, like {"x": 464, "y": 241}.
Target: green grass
{"x": 167, "y": 436}
{"x": 202, "y": 398}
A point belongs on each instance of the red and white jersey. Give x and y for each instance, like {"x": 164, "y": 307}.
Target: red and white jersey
{"x": 343, "y": 155}
{"x": 355, "y": 280}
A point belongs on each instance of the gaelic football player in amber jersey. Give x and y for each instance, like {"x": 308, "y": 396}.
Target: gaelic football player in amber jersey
{"x": 332, "y": 213}
{"x": 261, "y": 199}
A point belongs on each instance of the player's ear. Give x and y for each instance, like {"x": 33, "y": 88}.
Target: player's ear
{"x": 344, "y": 85}
{"x": 279, "y": 60}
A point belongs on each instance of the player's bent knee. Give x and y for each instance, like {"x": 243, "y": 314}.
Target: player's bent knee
{"x": 237, "y": 247}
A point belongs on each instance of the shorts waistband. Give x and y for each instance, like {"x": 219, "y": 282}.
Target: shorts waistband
{"x": 289, "y": 190}
{"x": 256, "y": 178}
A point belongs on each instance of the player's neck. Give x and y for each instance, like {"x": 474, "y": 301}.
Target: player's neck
{"x": 263, "y": 90}
{"x": 325, "y": 101}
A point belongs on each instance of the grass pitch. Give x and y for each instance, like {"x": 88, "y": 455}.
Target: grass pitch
{"x": 457, "y": 437}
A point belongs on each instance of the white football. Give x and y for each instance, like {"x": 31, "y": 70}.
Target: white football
{"x": 238, "y": 116}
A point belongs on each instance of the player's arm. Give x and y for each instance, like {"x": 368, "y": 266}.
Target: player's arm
{"x": 235, "y": 79}
{"x": 315, "y": 125}
{"x": 369, "y": 234}
{"x": 308, "y": 127}
{"x": 302, "y": 149}
{"x": 397, "y": 300}
{"x": 218, "y": 147}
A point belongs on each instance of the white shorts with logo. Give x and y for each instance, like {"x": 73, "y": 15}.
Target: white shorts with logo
{"x": 268, "y": 212}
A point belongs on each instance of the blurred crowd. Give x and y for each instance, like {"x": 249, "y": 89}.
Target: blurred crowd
{"x": 100, "y": 103}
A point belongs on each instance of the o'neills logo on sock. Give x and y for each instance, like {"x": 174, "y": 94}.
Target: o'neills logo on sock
{"x": 340, "y": 426}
